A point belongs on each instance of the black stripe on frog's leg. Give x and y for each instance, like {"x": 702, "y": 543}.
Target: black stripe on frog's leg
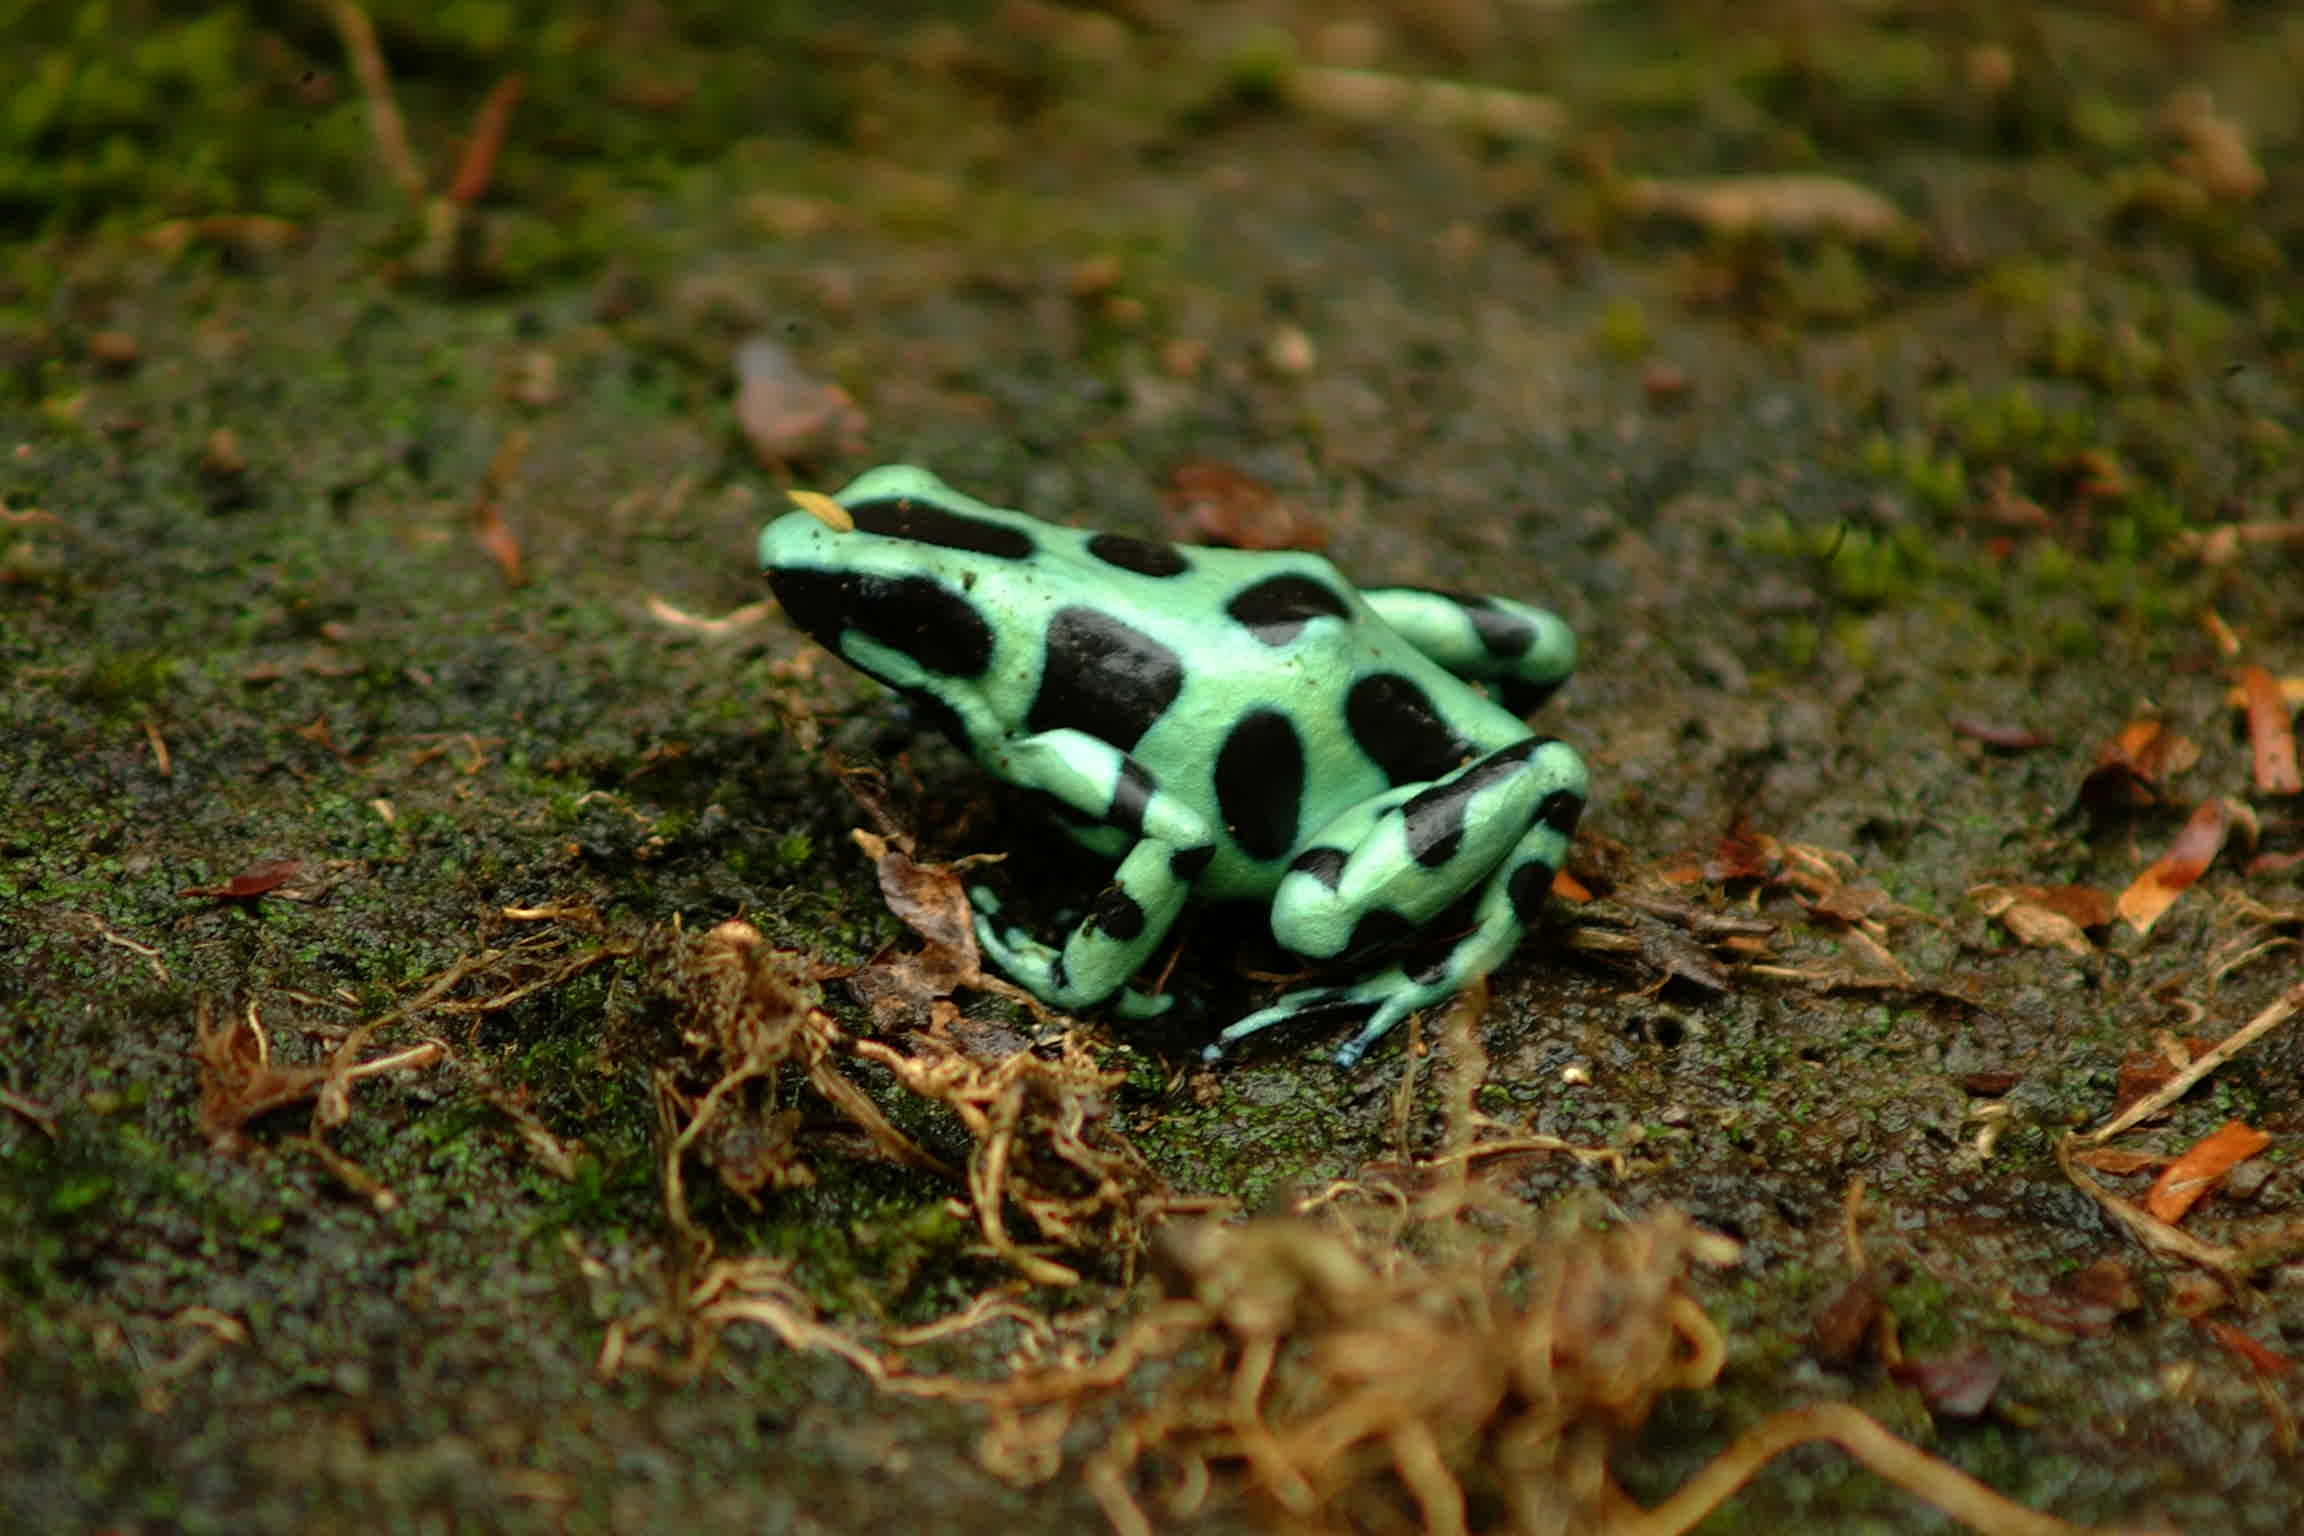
{"x": 1187, "y": 864}
{"x": 1396, "y": 725}
{"x": 1131, "y": 798}
{"x": 1532, "y": 881}
{"x": 1325, "y": 865}
{"x": 916, "y": 615}
{"x": 1528, "y": 887}
{"x": 923, "y": 522}
{"x": 1143, "y": 556}
{"x": 1103, "y": 677}
{"x": 1117, "y": 915}
{"x": 931, "y": 710}
{"x": 1434, "y": 820}
{"x": 1276, "y": 609}
{"x": 1260, "y": 783}
{"x": 1378, "y": 928}
{"x": 1506, "y": 635}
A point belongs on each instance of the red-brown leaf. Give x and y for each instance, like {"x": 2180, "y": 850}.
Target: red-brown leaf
{"x": 2271, "y": 732}
{"x": 2202, "y": 1168}
{"x": 1953, "y": 1386}
{"x": 1214, "y": 503}
{"x": 2153, "y": 892}
{"x": 254, "y": 881}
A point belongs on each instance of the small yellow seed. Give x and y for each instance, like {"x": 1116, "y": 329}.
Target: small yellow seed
{"x": 824, "y": 509}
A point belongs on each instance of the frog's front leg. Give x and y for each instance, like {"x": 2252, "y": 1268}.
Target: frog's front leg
{"x": 1386, "y": 868}
{"x": 1522, "y": 652}
{"x": 1128, "y": 920}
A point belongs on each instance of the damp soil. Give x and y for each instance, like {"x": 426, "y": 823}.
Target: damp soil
{"x": 1875, "y": 529}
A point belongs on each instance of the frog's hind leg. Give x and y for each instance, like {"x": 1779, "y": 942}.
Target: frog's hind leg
{"x": 1124, "y": 925}
{"x": 1521, "y": 652}
{"x": 1383, "y": 870}
{"x": 1168, "y": 847}
{"x": 1508, "y": 899}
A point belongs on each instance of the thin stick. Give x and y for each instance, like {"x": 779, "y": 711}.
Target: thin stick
{"x": 2284, "y": 1008}
{"x": 384, "y": 120}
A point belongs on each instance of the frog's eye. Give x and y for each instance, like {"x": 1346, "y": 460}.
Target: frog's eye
{"x": 824, "y": 509}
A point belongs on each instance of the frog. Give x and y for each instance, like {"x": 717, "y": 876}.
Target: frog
{"x": 1222, "y": 726}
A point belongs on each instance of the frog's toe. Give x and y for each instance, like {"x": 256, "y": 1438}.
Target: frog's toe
{"x": 1011, "y": 949}
{"x": 1132, "y": 1004}
{"x": 1375, "y": 1006}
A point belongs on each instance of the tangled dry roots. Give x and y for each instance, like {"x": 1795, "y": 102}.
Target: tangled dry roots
{"x": 1364, "y": 1385}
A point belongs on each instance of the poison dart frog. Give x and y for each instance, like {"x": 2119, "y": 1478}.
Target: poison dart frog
{"x": 1225, "y": 725}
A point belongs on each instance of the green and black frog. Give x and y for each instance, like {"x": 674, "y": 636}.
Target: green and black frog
{"x": 1226, "y": 725}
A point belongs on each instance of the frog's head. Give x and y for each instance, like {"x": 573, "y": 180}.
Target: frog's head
{"x": 899, "y": 562}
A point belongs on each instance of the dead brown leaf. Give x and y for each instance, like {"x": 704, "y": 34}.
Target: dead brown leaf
{"x": 2152, "y": 893}
{"x": 1208, "y": 502}
{"x": 1954, "y": 1386}
{"x": 2202, "y": 1168}
{"x": 256, "y": 880}
{"x": 2047, "y": 916}
{"x": 2133, "y": 766}
{"x": 2085, "y": 1302}
{"x": 2271, "y": 732}
{"x": 787, "y": 414}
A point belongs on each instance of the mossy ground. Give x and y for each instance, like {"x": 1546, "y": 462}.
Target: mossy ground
{"x": 1962, "y": 472}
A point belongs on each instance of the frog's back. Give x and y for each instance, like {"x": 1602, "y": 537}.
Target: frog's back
{"x": 1260, "y": 687}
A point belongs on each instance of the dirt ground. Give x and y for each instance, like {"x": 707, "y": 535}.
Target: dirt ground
{"x": 1901, "y": 401}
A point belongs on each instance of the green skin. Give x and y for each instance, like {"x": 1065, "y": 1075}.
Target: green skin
{"x": 1224, "y": 724}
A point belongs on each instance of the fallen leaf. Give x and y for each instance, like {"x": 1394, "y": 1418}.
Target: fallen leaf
{"x": 2271, "y": 732}
{"x": 2085, "y": 1302}
{"x": 2146, "y": 1072}
{"x": 254, "y": 881}
{"x": 786, "y": 413}
{"x": 2120, "y": 1160}
{"x": 1213, "y": 503}
{"x": 2131, "y": 767}
{"x": 1849, "y": 903}
{"x": 2047, "y": 916}
{"x": 1743, "y": 854}
{"x": 2153, "y": 892}
{"x": 2202, "y": 1167}
{"x": 1958, "y": 1386}
{"x": 1841, "y": 1330}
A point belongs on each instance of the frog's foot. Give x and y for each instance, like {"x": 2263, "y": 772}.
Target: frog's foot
{"x": 1376, "y": 1004}
{"x": 1501, "y": 913}
{"x": 1522, "y": 654}
{"x": 1103, "y": 950}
